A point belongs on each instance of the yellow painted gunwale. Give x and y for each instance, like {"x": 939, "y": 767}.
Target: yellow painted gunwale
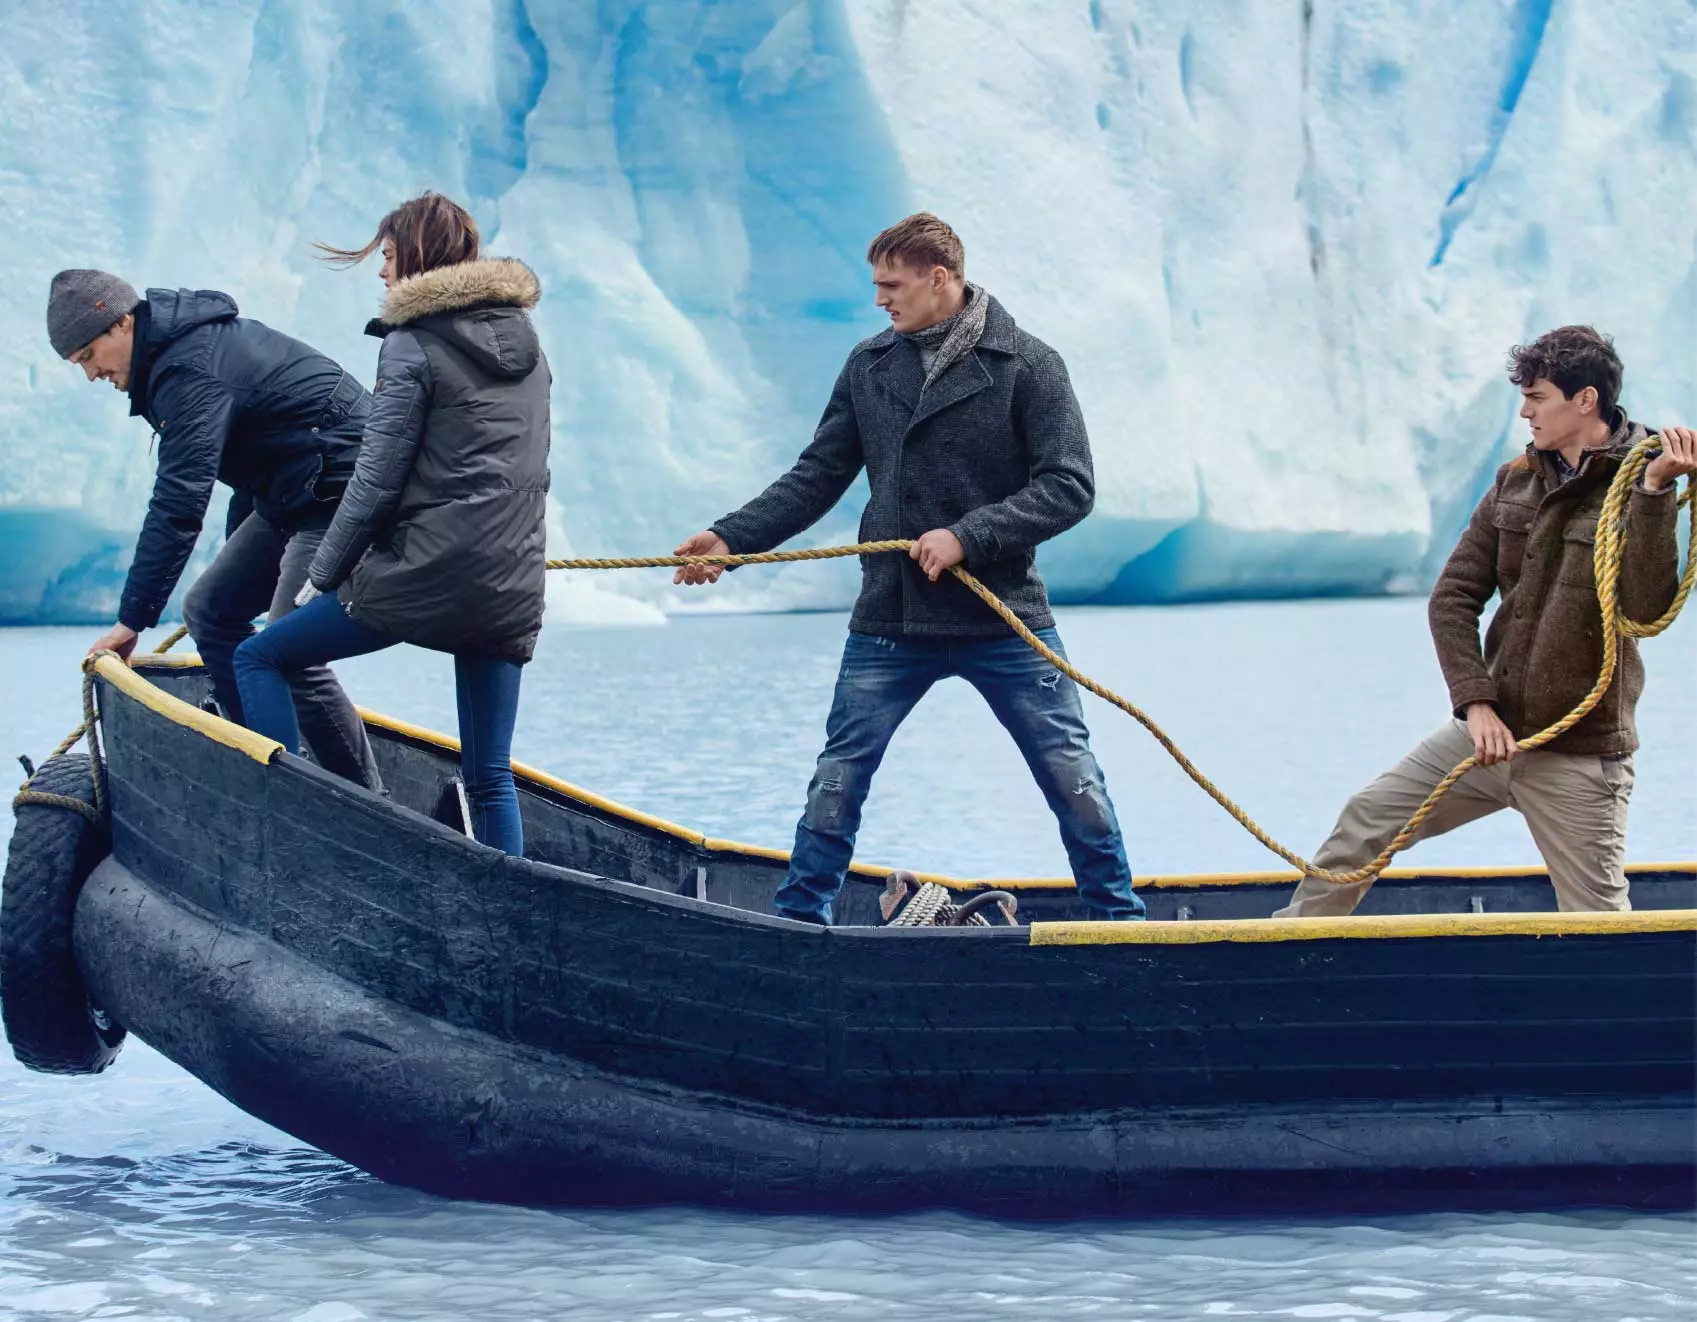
{"x": 174, "y": 709}
{"x": 1364, "y": 926}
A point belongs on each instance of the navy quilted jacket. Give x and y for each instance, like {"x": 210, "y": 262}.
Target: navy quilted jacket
{"x": 232, "y": 401}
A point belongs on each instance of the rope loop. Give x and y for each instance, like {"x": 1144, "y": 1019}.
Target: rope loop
{"x": 41, "y": 798}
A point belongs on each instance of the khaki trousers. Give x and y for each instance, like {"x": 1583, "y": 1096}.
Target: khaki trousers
{"x": 1575, "y": 806}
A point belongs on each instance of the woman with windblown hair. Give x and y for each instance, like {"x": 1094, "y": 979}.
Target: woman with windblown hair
{"x": 439, "y": 540}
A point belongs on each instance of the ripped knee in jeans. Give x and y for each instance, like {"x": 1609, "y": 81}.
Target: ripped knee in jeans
{"x": 1080, "y": 780}
{"x": 830, "y": 803}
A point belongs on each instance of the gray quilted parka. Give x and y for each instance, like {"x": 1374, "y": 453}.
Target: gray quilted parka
{"x": 440, "y": 540}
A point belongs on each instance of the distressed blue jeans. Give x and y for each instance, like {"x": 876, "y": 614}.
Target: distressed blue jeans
{"x": 880, "y": 682}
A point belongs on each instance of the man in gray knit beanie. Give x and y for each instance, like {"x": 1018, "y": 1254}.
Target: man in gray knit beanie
{"x": 89, "y": 322}
{"x": 229, "y": 400}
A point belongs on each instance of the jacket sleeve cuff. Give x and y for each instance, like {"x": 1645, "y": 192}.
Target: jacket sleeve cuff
{"x": 1657, "y": 501}
{"x": 726, "y": 530}
{"x": 137, "y": 615}
{"x": 325, "y": 577}
{"x": 1469, "y": 691}
{"x": 980, "y": 545}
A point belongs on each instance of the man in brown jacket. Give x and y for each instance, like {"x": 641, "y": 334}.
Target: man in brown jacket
{"x": 1531, "y": 542}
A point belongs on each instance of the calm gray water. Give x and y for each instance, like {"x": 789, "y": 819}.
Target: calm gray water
{"x": 141, "y": 1194}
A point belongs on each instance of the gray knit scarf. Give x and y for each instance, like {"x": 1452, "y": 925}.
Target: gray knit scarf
{"x": 953, "y": 339}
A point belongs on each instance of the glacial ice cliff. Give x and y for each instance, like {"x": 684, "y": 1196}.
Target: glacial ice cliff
{"x": 1283, "y": 246}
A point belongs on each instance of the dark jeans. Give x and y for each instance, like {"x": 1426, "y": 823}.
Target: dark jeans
{"x": 261, "y": 567}
{"x": 881, "y": 681}
{"x": 487, "y": 687}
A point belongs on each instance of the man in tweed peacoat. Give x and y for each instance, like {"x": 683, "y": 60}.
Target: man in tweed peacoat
{"x": 975, "y": 448}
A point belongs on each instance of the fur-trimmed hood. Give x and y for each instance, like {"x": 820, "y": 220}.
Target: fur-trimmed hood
{"x": 502, "y": 281}
{"x": 480, "y": 308}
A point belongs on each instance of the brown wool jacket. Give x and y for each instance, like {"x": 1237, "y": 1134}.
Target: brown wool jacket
{"x": 1531, "y": 539}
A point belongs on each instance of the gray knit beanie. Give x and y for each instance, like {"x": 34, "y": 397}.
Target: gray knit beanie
{"x": 84, "y": 305}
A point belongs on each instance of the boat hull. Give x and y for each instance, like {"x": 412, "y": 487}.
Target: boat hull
{"x": 616, "y": 1020}
{"x": 457, "y": 1112}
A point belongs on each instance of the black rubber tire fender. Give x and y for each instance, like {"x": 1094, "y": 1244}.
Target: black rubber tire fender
{"x": 51, "y": 1023}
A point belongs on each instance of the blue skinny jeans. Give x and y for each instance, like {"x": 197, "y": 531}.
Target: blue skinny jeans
{"x": 487, "y": 689}
{"x": 880, "y": 682}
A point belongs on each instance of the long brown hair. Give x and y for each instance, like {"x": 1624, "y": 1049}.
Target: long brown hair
{"x": 429, "y": 231}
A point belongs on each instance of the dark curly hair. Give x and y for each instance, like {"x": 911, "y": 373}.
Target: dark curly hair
{"x": 1571, "y": 358}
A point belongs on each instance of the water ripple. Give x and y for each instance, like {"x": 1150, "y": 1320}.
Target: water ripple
{"x": 241, "y": 1230}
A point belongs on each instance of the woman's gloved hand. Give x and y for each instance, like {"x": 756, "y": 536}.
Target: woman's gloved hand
{"x": 307, "y": 593}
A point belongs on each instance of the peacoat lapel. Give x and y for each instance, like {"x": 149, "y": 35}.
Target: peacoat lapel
{"x": 964, "y": 379}
{"x": 961, "y": 380}
{"x": 898, "y": 372}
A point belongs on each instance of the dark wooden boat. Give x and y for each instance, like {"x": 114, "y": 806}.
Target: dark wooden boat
{"x": 618, "y": 1018}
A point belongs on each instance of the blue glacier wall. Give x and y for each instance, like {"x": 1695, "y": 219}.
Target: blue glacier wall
{"x": 1283, "y": 248}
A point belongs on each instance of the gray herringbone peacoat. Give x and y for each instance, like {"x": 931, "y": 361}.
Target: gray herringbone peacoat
{"x": 994, "y": 450}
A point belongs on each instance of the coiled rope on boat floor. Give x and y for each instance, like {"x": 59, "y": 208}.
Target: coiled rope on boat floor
{"x": 1610, "y": 547}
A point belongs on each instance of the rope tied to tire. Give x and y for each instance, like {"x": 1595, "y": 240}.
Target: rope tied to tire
{"x": 90, "y": 728}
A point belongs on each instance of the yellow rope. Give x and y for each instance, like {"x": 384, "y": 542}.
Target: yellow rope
{"x": 760, "y": 558}
{"x": 1611, "y": 542}
{"x": 70, "y": 741}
